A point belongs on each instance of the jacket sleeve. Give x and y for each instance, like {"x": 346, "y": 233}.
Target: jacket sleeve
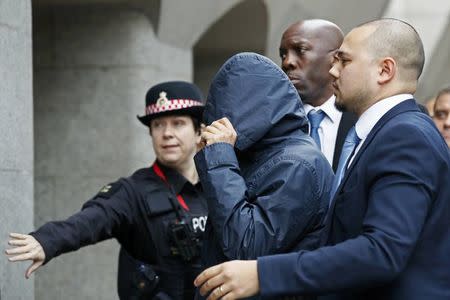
{"x": 402, "y": 177}
{"x": 275, "y": 219}
{"x": 100, "y": 218}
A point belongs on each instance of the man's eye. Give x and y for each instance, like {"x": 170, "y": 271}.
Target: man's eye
{"x": 301, "y": 50}
{"x": 338, "y": 60}
{"x": 344, "y": 61}
{"x": 440, "y": 115}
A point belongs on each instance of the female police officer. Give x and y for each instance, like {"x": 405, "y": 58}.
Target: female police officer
{"x": 157, "y": 214}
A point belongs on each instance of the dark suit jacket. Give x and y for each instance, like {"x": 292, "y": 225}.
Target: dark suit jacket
{"x": 347, "y": 121}
{"x": 389, "y": 224}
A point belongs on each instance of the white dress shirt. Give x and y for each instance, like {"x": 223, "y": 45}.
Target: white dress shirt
{"x": 329, "y": 126}
{"x": 373, "y": 114}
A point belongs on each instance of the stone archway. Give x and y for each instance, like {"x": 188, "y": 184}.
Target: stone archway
{"x": 243, "y": 28}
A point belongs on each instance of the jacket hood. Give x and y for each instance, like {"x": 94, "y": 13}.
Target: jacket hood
{"x": 258, "y": 99}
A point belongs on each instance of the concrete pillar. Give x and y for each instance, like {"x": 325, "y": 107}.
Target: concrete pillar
{"x": 16, "y": 147}
{"x": 93, "y": 65}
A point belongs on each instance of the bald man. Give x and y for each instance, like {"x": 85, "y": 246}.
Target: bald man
{"x": 306, "y": 52}
{"x": 388, "y": 223}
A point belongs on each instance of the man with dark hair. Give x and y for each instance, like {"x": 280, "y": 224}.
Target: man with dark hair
{"x": 441, "y": 113}
{"x": 306, "y": 52}
{"x": 387, "y": 230}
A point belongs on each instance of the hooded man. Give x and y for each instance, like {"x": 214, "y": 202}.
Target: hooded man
{"x": 266, "y": 183}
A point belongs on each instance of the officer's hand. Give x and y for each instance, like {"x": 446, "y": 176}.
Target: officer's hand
{"x": 220, "y": 131}
{"x": 231, "y": 280}
{"x": 26, "y": 248}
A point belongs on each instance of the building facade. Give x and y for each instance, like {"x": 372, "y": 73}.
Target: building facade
{"x": 74, "y": 75}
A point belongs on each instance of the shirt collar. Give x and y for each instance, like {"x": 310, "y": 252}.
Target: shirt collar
{"x": 374, "y": 113}
{"x": 328, "y": 108}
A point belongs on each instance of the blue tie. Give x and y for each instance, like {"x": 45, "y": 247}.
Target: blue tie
{"x": 315, "y": 117}
{"x": 351, "y": 142}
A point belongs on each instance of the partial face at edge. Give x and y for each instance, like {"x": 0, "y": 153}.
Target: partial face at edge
{"x": 442, "y": 116}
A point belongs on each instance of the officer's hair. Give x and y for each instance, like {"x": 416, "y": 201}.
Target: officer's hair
{"x": 399, "y": 40}
{"x": 197, "y": 124}
{"x": 195, "y": 121}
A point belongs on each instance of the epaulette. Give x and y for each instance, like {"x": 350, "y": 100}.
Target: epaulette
{"x": 109, "y": 190}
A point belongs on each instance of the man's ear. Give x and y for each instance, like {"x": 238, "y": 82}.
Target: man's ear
{"x": 387, "y": 69}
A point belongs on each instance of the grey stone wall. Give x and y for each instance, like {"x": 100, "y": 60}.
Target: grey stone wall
{"x": 93, "y": 62}
{"x": 16, "y": 146}
{"x": 93, "y": 66}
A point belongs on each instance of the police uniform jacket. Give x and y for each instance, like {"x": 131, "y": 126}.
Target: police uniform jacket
{"x": 136, "y": 211}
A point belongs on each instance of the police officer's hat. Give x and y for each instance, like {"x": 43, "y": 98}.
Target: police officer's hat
{"x": 172, "y": 98}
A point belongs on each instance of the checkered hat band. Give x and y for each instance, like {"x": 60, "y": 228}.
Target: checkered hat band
{"x": 169, "y": 105}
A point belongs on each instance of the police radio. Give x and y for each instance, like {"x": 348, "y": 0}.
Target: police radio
{"x": 185, "y": 241}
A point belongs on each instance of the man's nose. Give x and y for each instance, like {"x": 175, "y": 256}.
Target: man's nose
{"x": 334, "y": 71}
{"x": 289, "y": 61}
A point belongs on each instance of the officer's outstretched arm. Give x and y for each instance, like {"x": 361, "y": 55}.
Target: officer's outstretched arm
{"x": 26, "y": 247}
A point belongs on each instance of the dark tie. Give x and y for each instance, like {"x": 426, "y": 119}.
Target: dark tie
{"x": 315, "y": 117}
{"x": 351, "y": 142}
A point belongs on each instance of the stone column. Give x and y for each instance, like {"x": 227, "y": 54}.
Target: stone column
{"x": 93, "y": 66}
{"x": 16, "y": 146}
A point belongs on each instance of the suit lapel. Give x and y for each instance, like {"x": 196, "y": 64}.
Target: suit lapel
{"x": 347, "y": 121}
{"x": 408, "y": 105}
